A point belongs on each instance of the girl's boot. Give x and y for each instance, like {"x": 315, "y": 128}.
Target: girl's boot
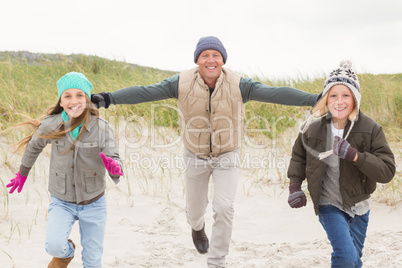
{"x": 61, "y": 262}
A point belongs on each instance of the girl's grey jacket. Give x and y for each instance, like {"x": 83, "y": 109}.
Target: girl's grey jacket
{"x": 77, "y": 173}
{"x": 375, "y": 162}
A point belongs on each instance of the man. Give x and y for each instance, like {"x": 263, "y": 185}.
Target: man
{"x": 211, "y": 102}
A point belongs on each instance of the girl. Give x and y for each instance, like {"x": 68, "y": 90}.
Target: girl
{"x": 340, "y": 180}
{"x": 82, "y": 147}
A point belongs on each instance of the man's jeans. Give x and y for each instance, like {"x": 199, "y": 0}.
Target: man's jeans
{"x": 346, "y": 235}
{"x": 225, "y": 174}
{"x": 92, "y": 221}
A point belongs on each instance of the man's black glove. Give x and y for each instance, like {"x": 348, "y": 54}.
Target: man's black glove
{"x": 101, "y": 100}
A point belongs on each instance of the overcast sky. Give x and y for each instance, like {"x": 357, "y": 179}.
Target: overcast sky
{"x": 273, "y": 39}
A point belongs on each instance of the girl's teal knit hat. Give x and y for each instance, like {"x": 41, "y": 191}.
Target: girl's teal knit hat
{"x": 74, "y": 80}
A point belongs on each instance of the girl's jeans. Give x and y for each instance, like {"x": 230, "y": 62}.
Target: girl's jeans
{"x": 346, "y": 235}
{"x": 92, "y": 221}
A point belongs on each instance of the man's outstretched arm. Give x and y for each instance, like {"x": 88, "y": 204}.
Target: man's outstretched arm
{"x": 165, "y": 89}
{"x": 256, "y": 91}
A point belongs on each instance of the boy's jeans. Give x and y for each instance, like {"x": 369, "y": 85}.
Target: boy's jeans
{"x": 346, "y": 235}
{"x": 92, "y": 221}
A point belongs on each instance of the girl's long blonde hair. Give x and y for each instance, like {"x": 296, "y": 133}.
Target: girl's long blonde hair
{"x": 60, "y": 130}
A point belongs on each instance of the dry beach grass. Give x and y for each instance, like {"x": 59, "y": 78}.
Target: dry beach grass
{"x": 146, "y": 224}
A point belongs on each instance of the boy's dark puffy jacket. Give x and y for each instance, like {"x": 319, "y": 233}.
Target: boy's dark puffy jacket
{"x": 375, "y": 162}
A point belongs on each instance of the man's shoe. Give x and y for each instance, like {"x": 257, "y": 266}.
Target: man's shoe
{"x": 200, "y": 240}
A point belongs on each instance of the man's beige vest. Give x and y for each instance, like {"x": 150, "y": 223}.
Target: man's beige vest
{"x": 210, "y": 126}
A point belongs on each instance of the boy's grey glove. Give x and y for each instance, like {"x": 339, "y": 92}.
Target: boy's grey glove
{"x": 101, "y": 100}
{"x": 343, "y": 149}
{"x": 297, "y": 198}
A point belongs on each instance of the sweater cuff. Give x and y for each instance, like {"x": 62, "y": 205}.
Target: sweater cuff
{"x": 24, "y": 171}
{"x": 111, "y": 98}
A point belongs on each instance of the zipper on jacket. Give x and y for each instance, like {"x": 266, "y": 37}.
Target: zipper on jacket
{"x": 211, "y": 90}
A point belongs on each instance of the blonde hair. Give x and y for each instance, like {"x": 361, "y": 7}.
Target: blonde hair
{"x": 59, "y": 130}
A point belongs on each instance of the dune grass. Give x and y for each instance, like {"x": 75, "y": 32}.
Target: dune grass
{"x": 28, "y": 86}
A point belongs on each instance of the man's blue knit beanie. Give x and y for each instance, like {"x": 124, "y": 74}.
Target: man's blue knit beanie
{"x": 210, "y": 42}
{"x": 74, "y": 80}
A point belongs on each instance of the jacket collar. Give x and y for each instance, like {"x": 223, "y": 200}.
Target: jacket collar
{"x": 90, "y": 122}
{"x": 327, "y": 120}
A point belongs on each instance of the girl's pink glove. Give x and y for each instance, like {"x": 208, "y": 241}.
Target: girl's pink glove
{"x": 112, "y": 166}
{"x": 17, "y": 182}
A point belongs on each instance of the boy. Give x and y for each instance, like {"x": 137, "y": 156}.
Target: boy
{"x": 341, "y": 179}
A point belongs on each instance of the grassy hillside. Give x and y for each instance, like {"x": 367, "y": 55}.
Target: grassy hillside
{"x": 28, "y": 86}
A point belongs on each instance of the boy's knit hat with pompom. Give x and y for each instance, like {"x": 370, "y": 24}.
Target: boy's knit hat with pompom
{"x": 343, "y": 75}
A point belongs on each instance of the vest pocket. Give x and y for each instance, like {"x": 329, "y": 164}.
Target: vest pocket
{"x": 222, "y": 141}
{"x": 58, "y": 181}
{"x": 94, "y": 181}
{"x": 225, "y": 140}
{"x": 197, "y": 140}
